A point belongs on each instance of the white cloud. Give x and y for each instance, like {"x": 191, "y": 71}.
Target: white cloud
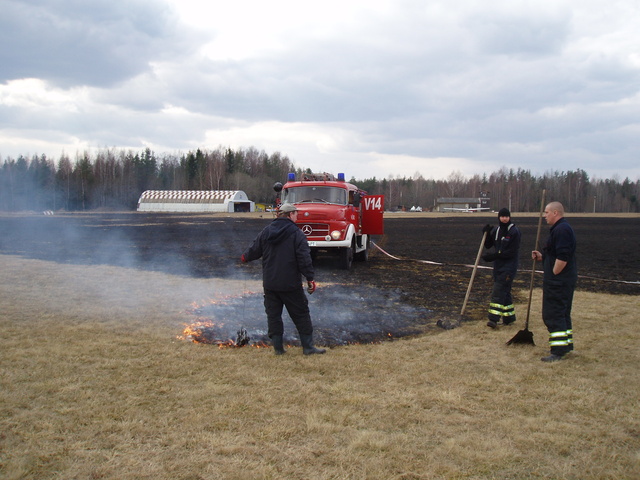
{"x": 33, "y": 93}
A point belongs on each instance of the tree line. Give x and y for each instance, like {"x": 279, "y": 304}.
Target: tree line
{"x": 114, "y": 179}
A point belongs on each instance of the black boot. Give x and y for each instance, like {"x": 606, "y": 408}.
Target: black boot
{"x": 307, "y": 345}
{"x": 278, "y": 347}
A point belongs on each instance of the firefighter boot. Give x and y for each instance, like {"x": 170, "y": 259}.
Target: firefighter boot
{"x": 307, "y": 345}
{"x": 278, "y": 346}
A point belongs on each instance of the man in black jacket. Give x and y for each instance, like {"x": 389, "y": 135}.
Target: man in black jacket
{"x": 286, "y": 256}
{"x": 505, "y": 238}
{"x": 559, "y": 281}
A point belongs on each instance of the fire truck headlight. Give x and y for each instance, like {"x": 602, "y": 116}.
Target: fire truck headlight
{"x": 336, "y": 234}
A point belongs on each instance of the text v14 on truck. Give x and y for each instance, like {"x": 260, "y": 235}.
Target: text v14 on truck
{"x": 336, "y": 216}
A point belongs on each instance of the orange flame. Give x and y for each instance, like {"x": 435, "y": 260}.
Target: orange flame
{"x": 195, "y": 331}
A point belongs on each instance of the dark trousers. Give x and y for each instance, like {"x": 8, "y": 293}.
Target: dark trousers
{"x": 297, "y": 306}
{"x": 501, "y": 304}
{"x": 557, "y": 298}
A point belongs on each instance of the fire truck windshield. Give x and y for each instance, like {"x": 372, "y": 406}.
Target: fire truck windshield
{"x": 315, "y": 194}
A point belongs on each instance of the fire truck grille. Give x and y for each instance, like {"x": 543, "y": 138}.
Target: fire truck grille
{"x": 315, "y": 229}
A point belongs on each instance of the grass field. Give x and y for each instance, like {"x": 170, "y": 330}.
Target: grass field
{"x": 96, "y": 385}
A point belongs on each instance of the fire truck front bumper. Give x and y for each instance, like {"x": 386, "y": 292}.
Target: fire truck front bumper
{"x": 329, "y": 244}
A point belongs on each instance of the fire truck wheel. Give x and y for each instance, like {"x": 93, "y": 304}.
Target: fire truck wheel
{"x": 346, "y": 258}
{"x": 363, "y": 256}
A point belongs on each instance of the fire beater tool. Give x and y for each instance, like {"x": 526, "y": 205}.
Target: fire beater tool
{"x": 473, "y": 274}
{"x": 525, "y": 337}
{"x": 450, "y": 323}
{"x": 242, "y": 338}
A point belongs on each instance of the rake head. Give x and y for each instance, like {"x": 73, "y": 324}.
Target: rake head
{"x": 523, "y": 337}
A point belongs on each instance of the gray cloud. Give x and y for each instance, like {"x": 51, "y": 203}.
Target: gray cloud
{"x": 522, "y": 33}
{"x": 69, "y": 43}
{"x": 551, "y": 85}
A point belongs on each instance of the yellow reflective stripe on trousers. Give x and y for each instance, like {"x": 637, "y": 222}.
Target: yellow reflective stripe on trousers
{"x": 502, "y": 310}
{"x": 558, "y": 339}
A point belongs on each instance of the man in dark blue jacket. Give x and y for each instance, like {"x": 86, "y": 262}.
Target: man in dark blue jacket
{"x": 505, "y": 239}
{"x": 286, "y": 257}
{"x": 559, "y": 281}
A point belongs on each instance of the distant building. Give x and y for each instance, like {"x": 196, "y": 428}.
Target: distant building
{"x": 195, "y": 201}
{"x": 448, "y": 204}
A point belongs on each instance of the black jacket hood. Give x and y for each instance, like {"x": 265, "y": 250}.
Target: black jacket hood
{"x": 280, "y": 229}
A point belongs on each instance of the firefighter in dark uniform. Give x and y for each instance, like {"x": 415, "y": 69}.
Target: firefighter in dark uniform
{"x": 286, "y": 257}
{"x": 559, "y": 281}
{"x": 505, "y": 240}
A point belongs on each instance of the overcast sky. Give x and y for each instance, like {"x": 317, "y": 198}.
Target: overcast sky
{"x": 369, "y": 88}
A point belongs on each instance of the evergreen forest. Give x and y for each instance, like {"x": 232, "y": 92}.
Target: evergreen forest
{"x": 113, "y": 179}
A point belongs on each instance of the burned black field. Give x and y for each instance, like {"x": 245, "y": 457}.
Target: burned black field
{"x": 379, "y": 293}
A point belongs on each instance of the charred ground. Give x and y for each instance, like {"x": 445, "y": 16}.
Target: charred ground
{"x": 209, "y": 246}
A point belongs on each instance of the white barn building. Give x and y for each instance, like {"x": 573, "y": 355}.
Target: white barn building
{"x": 195, "y": 201}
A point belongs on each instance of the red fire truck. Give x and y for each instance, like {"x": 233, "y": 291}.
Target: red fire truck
{"x": 334, "y": 215}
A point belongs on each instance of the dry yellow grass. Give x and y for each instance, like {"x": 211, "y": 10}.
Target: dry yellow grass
{"x": 95, "y": 385}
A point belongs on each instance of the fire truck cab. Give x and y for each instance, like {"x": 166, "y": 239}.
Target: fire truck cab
{"x": 334, "y": 215}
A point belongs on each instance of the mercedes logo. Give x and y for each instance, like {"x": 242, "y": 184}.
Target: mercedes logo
{"x": 306, "y": 229}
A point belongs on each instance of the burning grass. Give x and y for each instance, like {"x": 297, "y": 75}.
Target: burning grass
{"x": 342, "y": 315}
{"x": 98, "y": 388}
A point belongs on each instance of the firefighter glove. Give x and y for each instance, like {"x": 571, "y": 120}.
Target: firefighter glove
{"x": 311, "y": 286}
{"x": 486, "y": 228}
{"x": 489, "y": 257}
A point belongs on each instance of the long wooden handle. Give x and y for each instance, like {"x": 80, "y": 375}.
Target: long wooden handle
{"x": 533, "y": 269}
{"x": 473, "y": 274}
